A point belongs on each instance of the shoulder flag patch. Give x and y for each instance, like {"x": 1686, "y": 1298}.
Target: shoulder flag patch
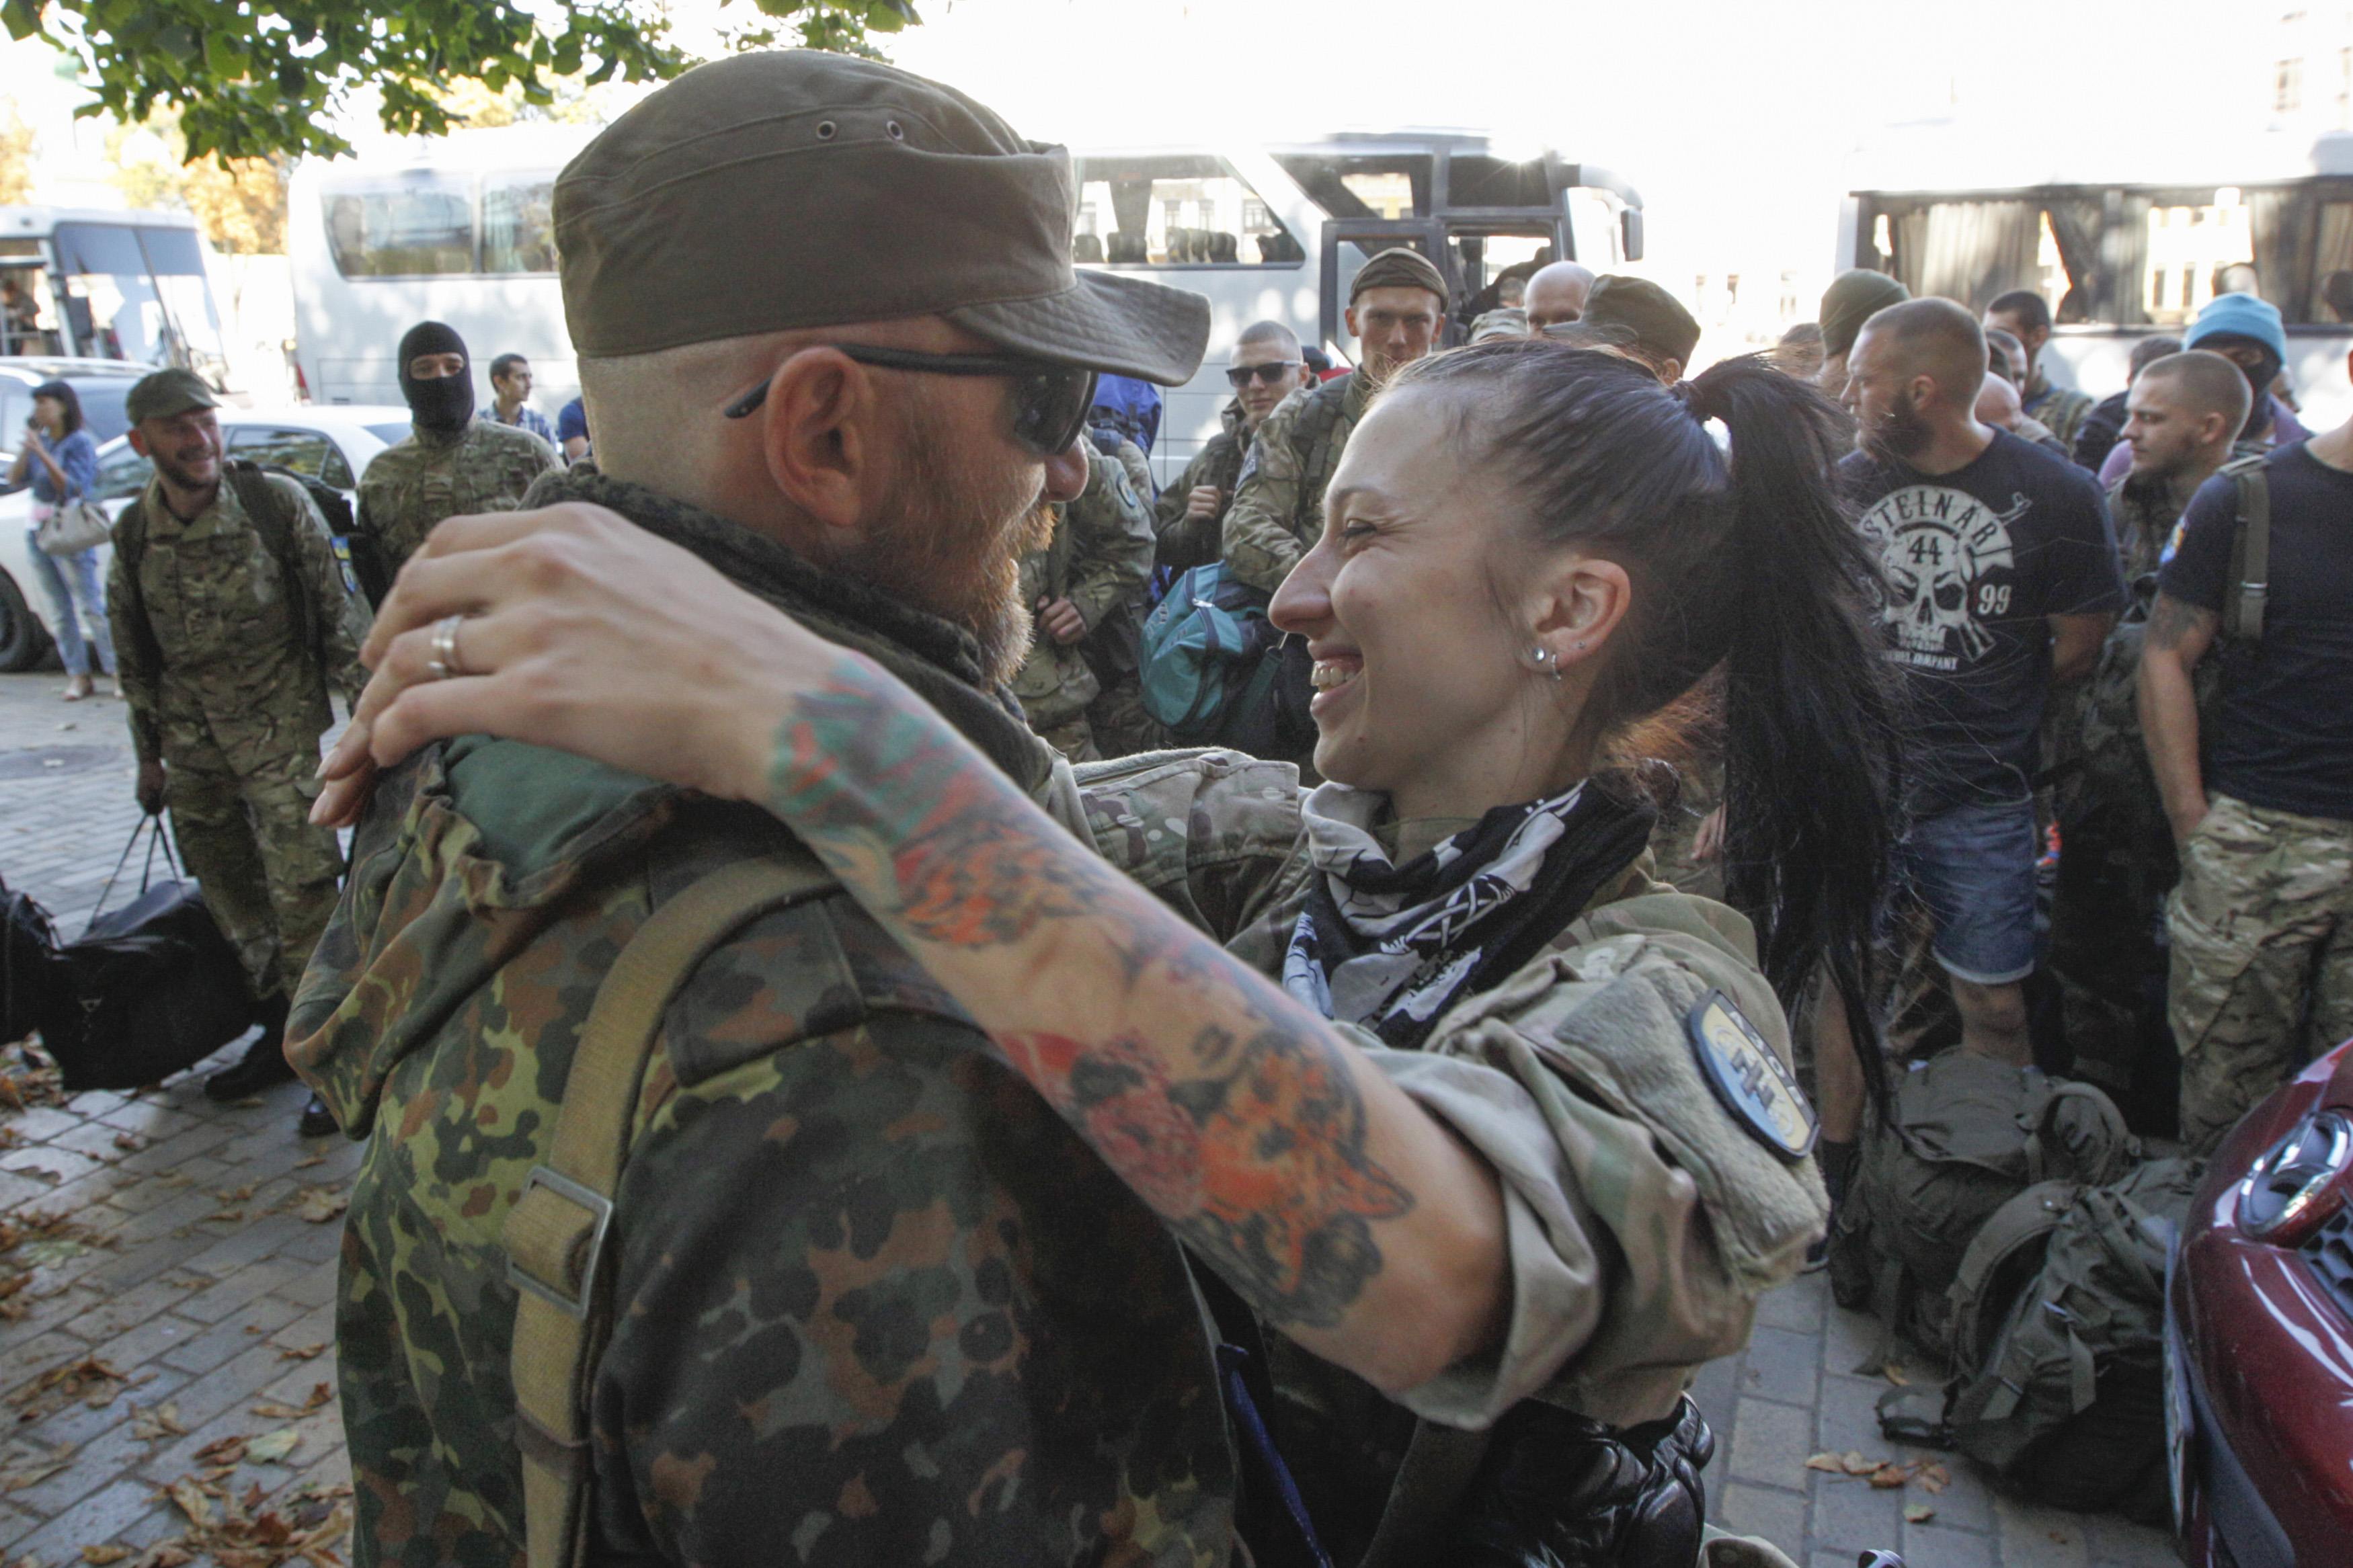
{"x": 1747, "y": 1076}
{"x": 343, "y": 548}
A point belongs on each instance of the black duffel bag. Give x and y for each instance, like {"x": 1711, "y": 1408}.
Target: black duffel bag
{"x": 147, "y": 990}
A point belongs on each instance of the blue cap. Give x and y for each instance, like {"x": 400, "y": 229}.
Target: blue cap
{"x": 2238, "y": 316}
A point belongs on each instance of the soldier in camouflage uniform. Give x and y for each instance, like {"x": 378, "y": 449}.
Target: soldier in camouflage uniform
{"x": 232, "y": 627}
{"x": 2061, "y": 410}
{"x": 1396, "y": 306}
{"x": 451, "y": 464}
{"x": 2259, "y": 787}
{"x": 877, "y": 1303}
{"x": 2116, "y": 857}
{"x": 1085, "y": 579}
{"x": 1266, "y": 368}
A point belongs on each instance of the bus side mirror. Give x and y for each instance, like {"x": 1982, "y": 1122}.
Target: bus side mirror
{"x": 1629, "y": 233}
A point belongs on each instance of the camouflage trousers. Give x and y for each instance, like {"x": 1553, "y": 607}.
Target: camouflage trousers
{"x": 2261, "y": 972}
{"x": 270, "y": 877}
{"x": 1114, "y": 725}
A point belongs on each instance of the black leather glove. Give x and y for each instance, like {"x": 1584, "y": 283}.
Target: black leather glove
{"x": 1557, "y": 1490}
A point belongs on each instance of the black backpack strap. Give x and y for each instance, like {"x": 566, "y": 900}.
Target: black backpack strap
{"x": 130, "y": 553}
{"x": 2251, "y": 551}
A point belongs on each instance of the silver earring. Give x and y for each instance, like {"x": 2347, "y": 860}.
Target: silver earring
{"x": 1546, "y": 661}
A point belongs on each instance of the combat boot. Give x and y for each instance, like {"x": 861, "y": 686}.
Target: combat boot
{"x": 264, "y": 1064}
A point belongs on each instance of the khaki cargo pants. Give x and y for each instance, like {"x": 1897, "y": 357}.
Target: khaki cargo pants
{"x": 270, "y": 877}
{"x": 2262, "y": 969}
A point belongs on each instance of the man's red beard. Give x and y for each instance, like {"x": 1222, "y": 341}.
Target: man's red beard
{"x": 952, "y": 541}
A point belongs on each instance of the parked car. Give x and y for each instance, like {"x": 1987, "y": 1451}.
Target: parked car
{"x": 2259, "y": 1336}
{"x": 333, "y": 445}
{"x": 101, "y": 384}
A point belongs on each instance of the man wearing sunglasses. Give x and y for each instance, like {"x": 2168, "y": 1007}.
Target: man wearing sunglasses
{"x": 1266, "y": 368}
{"x": 1397, "y": 308}
{"x": 863, "y": 1296}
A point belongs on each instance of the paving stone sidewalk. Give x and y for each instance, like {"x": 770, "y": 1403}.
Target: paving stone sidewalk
{"x": 214, "y": 1295}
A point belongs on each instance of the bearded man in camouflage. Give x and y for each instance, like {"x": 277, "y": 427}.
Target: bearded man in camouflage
{"x": 451, "y": 464}
{"x": 875, "y": 1301}
{"x": 231, "y": 624}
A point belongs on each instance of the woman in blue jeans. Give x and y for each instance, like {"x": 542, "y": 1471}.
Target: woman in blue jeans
{"x": 63, "y": 462}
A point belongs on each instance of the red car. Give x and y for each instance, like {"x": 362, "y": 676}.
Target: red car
{"x": 2259, "y": 1336}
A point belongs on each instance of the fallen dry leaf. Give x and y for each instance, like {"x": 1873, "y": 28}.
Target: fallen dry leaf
{"x": 225, "y": 1217}
{"x": 243, "y": 1195}
{"x": 1894, "y": 1373}
{"x": 33, "y": 1469}
{"x": 188, "y": 1495}
{"x": 250, "y": 1102}
{"x": 88, "y": 1379}
{"x": 1826, "y": 1462}
{"x": 320, "y": 1204}
{"x": 302, "y": 1353}
{"x": 1854, "y": 1464}
{"x": 153, "y": 1425}
{"x": 320, "y": 1394}
{"x": 102, "y": 1555}
{"x": 130, "y": 1142}
{"x": 166, "y": 1554}
{"x": 1888, "y": 1477}
{"x": 272, "y": 1448}
{"x": 1918, "y": 1513}
{"x": 313, "y": 1160}
{"x": 227, "y": 1451}
{"x": 1935, "y": 1478}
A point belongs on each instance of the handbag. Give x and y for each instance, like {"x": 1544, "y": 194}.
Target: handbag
{"x": 73, "y": 527}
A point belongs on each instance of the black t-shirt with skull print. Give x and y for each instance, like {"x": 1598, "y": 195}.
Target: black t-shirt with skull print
{"x": 1975, "y": 560}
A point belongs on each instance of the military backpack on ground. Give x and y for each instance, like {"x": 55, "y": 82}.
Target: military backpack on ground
{"x": 2058, "y": 1317}
{"x": 1968, "y": 1134}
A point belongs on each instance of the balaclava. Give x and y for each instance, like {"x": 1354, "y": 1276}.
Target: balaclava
{"x": 445, "y": 403}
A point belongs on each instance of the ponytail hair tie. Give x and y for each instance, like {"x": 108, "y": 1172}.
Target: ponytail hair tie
{"x": 1688, "y": 394}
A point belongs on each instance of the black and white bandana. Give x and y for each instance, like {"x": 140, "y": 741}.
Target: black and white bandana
{"x": 1392, "y": 947}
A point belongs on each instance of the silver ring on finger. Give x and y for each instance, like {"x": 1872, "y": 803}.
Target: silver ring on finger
{"x": 445, "y": 661}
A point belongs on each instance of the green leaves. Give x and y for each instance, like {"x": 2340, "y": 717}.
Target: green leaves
{"x": 256, "y": 78}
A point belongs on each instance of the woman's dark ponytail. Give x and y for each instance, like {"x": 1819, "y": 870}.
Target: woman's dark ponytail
{"x": 1811, "y": 713}
{"x": 1746, "y": 564}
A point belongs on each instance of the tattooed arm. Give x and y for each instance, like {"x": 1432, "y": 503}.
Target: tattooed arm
{"x": 2179, "y": 635}
{"x": 1336, "y": 1206}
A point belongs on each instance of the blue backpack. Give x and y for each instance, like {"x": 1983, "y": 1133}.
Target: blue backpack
{"x": 1216, "y": 672}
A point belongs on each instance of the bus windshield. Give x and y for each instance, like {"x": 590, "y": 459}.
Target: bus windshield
{"x": 139, "y": 294}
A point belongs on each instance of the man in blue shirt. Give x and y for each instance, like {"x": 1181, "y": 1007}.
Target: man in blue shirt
{"x": 572, "y": 430}
{"x": 511, "y": 385}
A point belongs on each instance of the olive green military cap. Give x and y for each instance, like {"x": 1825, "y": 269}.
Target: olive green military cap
{"x": 1852, "y": 299}
{"x": 791, "y": 189}
{"x": 1633, "y": 313}
{"x": 1399, "y": 266}
{"x": 165, "y": 392}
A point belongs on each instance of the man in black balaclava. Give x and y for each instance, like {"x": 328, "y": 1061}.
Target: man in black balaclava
{"x": 452, "y": 463}
{"x": 436, "y": 376}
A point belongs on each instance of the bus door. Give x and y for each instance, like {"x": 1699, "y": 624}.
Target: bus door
{"x": 1367, "y": 237}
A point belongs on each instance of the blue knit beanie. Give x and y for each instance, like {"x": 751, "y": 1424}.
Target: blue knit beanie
{"x": 2238, "y": 316}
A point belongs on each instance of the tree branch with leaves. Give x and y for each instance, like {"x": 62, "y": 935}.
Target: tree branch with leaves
{"x": 248, "y": 78}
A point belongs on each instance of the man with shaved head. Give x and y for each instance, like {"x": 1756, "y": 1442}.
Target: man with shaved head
{"x": 2001, "y": 583}
{"x": 2182, "y": 420}
{"x": 2024, "y": 315}
{"x": 1266, "y": 367}
{"x": 1557, "y": 293}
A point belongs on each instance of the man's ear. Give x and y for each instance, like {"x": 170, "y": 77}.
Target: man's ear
{"x": 138, "y": 440}
{"x": 819, "y": 435}
{"x": 1350, "y": 315}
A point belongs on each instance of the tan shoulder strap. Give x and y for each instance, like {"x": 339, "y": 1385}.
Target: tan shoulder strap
{"x": 555, "y": 1235}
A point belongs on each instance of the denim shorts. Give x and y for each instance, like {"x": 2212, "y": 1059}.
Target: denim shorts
{"x": 1973, "y": 868}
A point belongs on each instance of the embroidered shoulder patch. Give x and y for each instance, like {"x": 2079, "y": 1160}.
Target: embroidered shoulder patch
{"x": 342, "y": 547}
{"x": 1748, "y": 1078}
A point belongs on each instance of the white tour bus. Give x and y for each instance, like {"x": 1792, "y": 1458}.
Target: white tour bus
{"x": 2118, "y": 261}
{"x": 98, "y": 285}
{"x": 460, "y": 230}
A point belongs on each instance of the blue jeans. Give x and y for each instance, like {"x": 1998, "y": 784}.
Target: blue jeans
{"x": 72, "y": 584}
{"x": 1973, "y": 867}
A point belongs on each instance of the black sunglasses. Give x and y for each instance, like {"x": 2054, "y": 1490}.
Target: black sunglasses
{"x": 1050, "y": 401}
{"x": 1241, "y": 375}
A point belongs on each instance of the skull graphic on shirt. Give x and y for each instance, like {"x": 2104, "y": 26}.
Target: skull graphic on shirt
{"x": 1946, "y": 556}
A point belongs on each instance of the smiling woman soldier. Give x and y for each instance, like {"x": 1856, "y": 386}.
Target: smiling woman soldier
{"x": 1484, "y": 1137}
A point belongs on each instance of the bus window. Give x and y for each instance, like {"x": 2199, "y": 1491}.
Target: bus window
{"x": 519, "y": 223}
{"x": 415, "y": 226}
{"x": 192, "y": 328}
{"x": 1388, "y": 184}
{"x": 1975, "y": 250}
{"x": 110, "y": 304}
{"x": 28, "y": 317}
{"x": 2189, "y": 243}
{"x": 2332, "y": 271}
{"x": 1592, "y": 229}
{"x": 1176, "y": 211}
